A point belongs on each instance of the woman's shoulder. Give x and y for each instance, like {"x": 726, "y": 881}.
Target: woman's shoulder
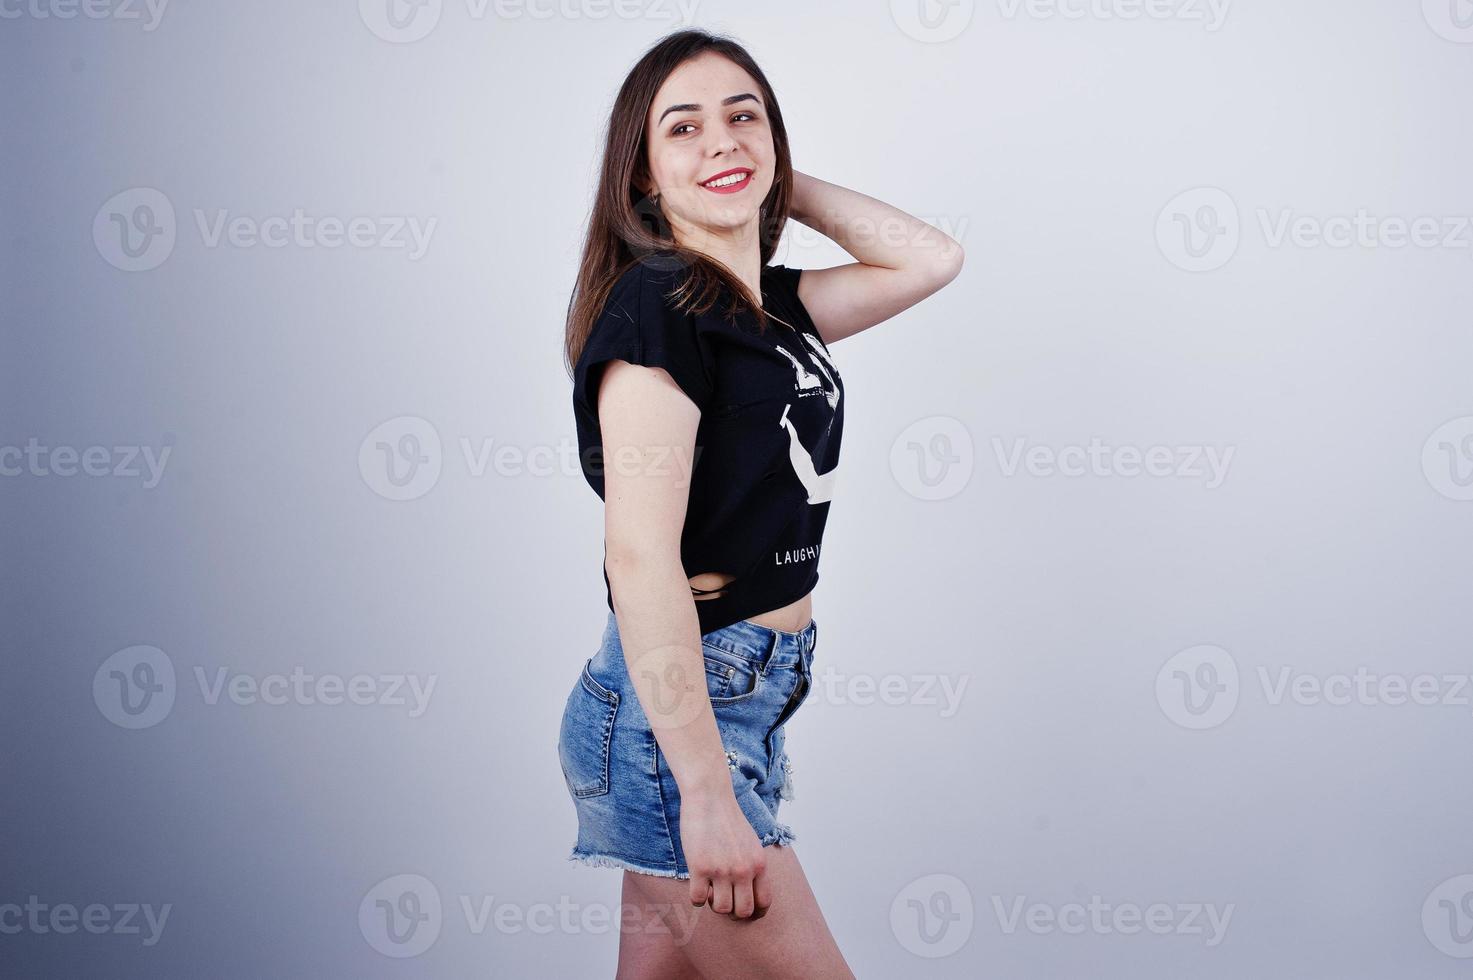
{"x": 785, "y": 276}
{"x": 637, "y": 294}
{"x": 641, "y": 308}
{"x": 651, "y": 277}
{"x": 780, "y": 289}
{"x": 640, "y": 324}
{"x": 644, "y": 293}
{"x": 657, "y": 276}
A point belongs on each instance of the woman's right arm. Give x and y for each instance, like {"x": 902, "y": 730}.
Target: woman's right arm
{"x": 648, "y": 428}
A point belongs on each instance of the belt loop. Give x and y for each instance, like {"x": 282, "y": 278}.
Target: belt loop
{"x": 773, "y": 639}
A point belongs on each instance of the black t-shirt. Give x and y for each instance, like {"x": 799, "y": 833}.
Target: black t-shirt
{"x": 767, "y": 446}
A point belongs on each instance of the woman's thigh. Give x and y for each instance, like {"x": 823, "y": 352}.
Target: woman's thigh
{"x": 647, "y": 948}
{"x": 791, "y": 940}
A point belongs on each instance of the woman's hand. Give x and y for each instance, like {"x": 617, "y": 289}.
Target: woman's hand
{"x": 728, "y": 868}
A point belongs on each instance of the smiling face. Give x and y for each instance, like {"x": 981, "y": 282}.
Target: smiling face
{"x": 707, "y": 120}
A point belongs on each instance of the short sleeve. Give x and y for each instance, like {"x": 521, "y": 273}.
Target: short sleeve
{"x": 787, "y": 278}
{"x": 640, "y": 325}
{"x": 786, "y": 281}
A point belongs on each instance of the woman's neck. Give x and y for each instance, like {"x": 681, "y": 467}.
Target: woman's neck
{"x": 737, "y": 249}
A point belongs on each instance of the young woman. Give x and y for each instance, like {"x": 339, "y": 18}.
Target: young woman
{"x": 709, "y": 413}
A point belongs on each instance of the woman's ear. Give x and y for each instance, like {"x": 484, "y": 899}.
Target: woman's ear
{"x": 646, "y": 186}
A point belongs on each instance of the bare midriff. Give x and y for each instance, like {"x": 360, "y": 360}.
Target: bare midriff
{"x": 792, "y": 618}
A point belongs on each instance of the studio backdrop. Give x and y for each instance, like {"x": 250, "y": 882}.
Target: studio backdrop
{"x": 1144, "y": 609}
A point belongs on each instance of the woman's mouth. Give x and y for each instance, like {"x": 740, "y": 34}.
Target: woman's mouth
{"x": 729, "y": 181}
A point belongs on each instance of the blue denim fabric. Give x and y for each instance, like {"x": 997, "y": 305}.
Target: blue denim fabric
{"x": 626, "y": 798}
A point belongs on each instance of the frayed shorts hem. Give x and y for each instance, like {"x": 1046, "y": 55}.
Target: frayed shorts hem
{"x": 782, "y": 834}
{"x": 609, "y": 861}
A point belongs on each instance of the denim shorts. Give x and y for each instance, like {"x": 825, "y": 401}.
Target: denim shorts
{"x": 625, "y": 795}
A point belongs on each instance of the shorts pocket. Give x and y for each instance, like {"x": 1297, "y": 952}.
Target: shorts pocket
{"x": 587, "y": 732}
{"x": 729, "y": 678}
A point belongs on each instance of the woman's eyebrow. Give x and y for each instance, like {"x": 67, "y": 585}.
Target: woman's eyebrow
{"x": 696, "y": 107}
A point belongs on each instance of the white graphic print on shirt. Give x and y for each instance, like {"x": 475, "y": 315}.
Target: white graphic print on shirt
{"x": 820, "y": 486}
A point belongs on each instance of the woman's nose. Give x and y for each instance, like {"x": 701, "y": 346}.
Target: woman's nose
{"x": 725, "y": 141}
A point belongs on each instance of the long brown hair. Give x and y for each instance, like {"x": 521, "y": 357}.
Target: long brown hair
{"x": 617, "y": 235}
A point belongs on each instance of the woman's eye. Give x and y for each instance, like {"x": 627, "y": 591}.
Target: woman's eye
{"x": 677, "y": 130}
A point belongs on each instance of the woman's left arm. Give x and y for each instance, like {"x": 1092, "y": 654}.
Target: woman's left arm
{"x": 901, "y": 259}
